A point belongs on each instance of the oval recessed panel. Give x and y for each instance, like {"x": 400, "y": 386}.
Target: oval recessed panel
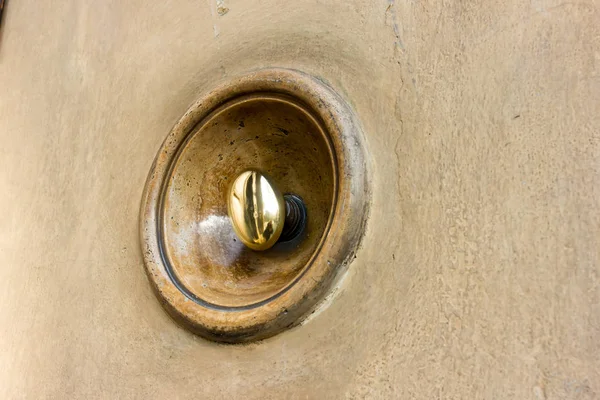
{"x": 300, "y": 133}
{"x": 267, "y": 132}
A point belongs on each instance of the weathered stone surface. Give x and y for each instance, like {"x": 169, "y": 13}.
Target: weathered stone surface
{"x": 479, "y": 271}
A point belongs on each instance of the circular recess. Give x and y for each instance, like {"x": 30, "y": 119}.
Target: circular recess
{"x": 265, "y": 131}
{"x": 297, "y": 131}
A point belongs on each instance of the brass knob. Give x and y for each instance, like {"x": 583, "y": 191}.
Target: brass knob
{"x": 259, "y": 212}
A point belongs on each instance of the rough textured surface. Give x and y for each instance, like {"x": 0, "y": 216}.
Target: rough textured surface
{"x": 479, "y": 274}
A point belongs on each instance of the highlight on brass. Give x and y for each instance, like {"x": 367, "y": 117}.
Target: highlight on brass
{"x": 256, "y": 209}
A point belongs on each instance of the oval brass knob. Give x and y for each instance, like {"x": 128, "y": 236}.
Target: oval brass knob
{"x": 256, "y": 209}
{"x": 259, "y": 212}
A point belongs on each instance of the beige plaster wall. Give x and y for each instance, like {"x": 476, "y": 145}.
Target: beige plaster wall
{"x": 479, "y": 275}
